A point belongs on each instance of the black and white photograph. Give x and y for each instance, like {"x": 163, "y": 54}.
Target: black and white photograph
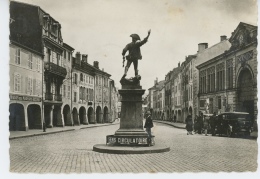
{"x": 130, "y": 87}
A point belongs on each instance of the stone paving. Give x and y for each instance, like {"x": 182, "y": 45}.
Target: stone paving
{"x": 71, "y": 152}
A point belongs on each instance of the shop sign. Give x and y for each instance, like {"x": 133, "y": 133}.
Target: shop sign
{"x": 25, "y": 98}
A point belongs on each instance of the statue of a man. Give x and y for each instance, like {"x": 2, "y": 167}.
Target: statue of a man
{"x": 134, "y": 52}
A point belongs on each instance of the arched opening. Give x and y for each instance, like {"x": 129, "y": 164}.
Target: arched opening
{"x": 82, "y": 115}
{"x": 57, "y": 120}
{"x": 16, "y": 117}
{"x": 105, "y": 114}
{"x": 168, "y": 115}
{"x": 98, "y": 115}
{"x": 190, "y": 110}
{"x": 75, "y": 116}
{"x": 34, "y": 116}
{"x": 47, "y": 115}
{"x": 246, "y": 93}
{"x": 179, "y": 116}
{"x": 66, "y": 115}
{"x": 91, "y": 115}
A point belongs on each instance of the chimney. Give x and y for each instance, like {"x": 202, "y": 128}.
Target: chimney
{"x": 223, "y": 37}
{"x": 95, "y": 64}
{"x": 202, "y": 46}
{"x": 179, "y": 64}
{"x": 78, "y": 57}
{"x": 85, "y": 58}
{"x": 155, "y": 81}
{"x": 102, "y": 69}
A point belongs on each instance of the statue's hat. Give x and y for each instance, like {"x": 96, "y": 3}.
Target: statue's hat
{"x": 135, "y": 36}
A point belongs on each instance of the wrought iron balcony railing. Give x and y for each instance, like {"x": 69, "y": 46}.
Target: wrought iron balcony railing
{"x": 49, "y": 96}
{"x": 55, "y": 69}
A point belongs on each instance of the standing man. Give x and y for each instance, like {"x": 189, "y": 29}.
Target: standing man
{"x": 200, "y": 123}
{"x": 134, "y": 52}
{"x": 148, "y": 125}
{"x": 213, "y": 124}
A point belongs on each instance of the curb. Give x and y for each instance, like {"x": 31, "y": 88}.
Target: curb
{"x": 65, "y": 130}
{"x": 102, "y": 148}
{"x": 169, "y": 124}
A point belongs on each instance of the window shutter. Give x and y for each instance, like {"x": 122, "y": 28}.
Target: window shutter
{"x": 34, "y": 87}
{"x": 26, "y": 85}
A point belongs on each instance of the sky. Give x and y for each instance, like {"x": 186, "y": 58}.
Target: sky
{"x": 102, "y": 28}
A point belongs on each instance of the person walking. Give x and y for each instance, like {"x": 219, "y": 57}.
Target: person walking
{"x": 189, "y": 124}
{"x": 148, "y": 126}
{"x": 200, "y": 123}
{"x": 196, "y": 124}
{"x": 206, "y": 125}
{"x": 213, "y": 121}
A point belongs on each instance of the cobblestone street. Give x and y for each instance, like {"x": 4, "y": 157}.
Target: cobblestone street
{"x": 71, "y": 151}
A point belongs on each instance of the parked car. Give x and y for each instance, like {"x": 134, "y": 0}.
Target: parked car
{"x": 234, "y": 123}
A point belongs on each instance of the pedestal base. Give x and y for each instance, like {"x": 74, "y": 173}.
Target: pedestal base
{"x": 102, "y": 148}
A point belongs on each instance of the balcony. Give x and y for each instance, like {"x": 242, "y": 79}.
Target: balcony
{"x": 58, "y": 97}
{"x": 49, "y": 96}
{"x": 55, "y": 69}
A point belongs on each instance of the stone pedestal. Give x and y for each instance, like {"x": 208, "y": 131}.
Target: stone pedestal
{"x": 131, "y": 122}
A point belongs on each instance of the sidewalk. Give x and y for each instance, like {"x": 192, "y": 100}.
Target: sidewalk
{"x": 36, "y": 132}
{"x": 176, "y": 124}
{"x": 254, "y": 134}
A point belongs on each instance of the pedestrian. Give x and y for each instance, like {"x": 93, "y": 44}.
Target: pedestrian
{"x": 206, "y": 125}
{"x": 148, "y": 126}
{"x": 189, "y": 124}
{"x": 196, "y": 124}
{"x": 213, "y": 121}
{"x": 174, "y": 118}
{"x": 200, "y": 123}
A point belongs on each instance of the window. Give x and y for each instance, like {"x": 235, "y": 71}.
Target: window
{"x": 64, "y": 54}
{"x": 220, "y": 76}
{"x": 18, "y": 56}
{"x": 68, "y": 56}
{"x": 49, "y": 54}
{"x": 58, "y": 59}
{"x": 30, "y": 85}
{"x": 202, "y": 82}
{"x": 68, "y": 92}
{"x": 81, "y": 77}
{"x": 17, "y": 83}
{"x": 75, "y": 96}
{"x": 30, "y": 61}
{"x": 38, "y": 87}
{"x": 230, "y": 74}
{"x": 75, "y": 78}
{"x": 219, "y": 102}
{"x": 38, "y": 64}
{"x": 211, "y": 79}
{"x": 64, "y": 91}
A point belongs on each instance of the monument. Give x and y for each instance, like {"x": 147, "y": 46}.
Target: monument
{"x": 131, "y": 136}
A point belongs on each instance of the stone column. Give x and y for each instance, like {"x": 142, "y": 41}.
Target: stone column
{"x": 50, "y": 125}
{"x": 26, "y": 127}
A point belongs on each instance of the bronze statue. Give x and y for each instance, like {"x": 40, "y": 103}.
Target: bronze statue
{"x": 134, "y": 52}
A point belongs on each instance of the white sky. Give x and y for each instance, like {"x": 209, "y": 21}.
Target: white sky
{"x": 101, "y": 29}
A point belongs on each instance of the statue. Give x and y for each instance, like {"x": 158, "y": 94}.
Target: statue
{"x": 134, "y": 52}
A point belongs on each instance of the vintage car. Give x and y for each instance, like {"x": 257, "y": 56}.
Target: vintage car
{"x": 234, "y": 123}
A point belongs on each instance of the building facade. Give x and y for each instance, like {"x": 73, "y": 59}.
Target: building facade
{"x": 228, "y": 82}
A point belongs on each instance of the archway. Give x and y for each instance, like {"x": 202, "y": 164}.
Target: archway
{"x": 75, "y": 116}
{"x": 67, "y": 116}
{"x": 168, "y": 115}
{"x": 98, "y": 114}
{"x": 16, "y": 117}
{"x": 91, "y": 115}
{"x": 34, "y": 116}
{"x": 246, "y": 93}
{"x": 179, "y": 116}
{"x": 105, "y": 114}
{"x": 57, "y": 120}
{"x": 82, "y": 115}
{"x": 190, "y": 110}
